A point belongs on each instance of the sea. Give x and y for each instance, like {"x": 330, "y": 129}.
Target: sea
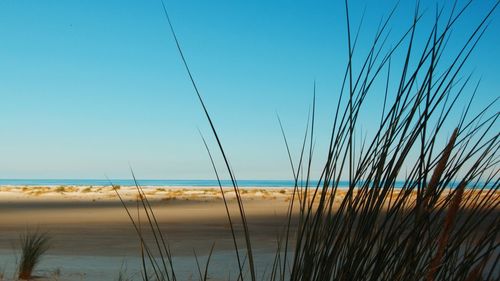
{"x": 174, "y": 183}
{"x": 150, "y": 182}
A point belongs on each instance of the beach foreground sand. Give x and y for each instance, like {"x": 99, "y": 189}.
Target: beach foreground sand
{"x": 93, "y": 238}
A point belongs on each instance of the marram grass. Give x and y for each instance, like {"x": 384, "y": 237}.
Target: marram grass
{"x": 34, "y": 244}
{"x": 427, "y": 230}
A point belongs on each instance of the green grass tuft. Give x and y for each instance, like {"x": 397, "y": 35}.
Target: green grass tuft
{"x": 33, "y": 247}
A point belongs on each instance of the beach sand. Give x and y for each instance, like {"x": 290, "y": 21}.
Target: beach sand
{"x": 93, "y": 238}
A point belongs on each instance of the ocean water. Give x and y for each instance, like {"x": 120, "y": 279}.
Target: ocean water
{"x": 174, "y": 183}
{"x": 146, "y": 182}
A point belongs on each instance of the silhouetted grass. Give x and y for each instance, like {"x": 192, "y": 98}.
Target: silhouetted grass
{"x": 33, "y": 246}
{"x": 374, "y": 233}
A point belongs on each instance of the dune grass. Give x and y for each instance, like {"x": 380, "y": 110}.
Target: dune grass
{"x": 34, "y": 244}
{"x": 433, "y": 228}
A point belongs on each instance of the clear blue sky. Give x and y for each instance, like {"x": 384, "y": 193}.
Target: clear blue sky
{"x": 88, "y": 87}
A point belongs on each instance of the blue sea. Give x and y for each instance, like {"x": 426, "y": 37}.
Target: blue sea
{"x": 147, "y": 182}
{"x": 157, "y": 182}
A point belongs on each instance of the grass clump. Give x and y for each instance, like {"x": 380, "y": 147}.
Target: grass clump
{"x": 60, "y": 189}
{"x": 429, "y": 227}
{"x": 33, "y": 246}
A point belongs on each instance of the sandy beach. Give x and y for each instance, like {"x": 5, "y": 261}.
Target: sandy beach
{"x": 89, "y": 224}
{"x": 93, "y": 238}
